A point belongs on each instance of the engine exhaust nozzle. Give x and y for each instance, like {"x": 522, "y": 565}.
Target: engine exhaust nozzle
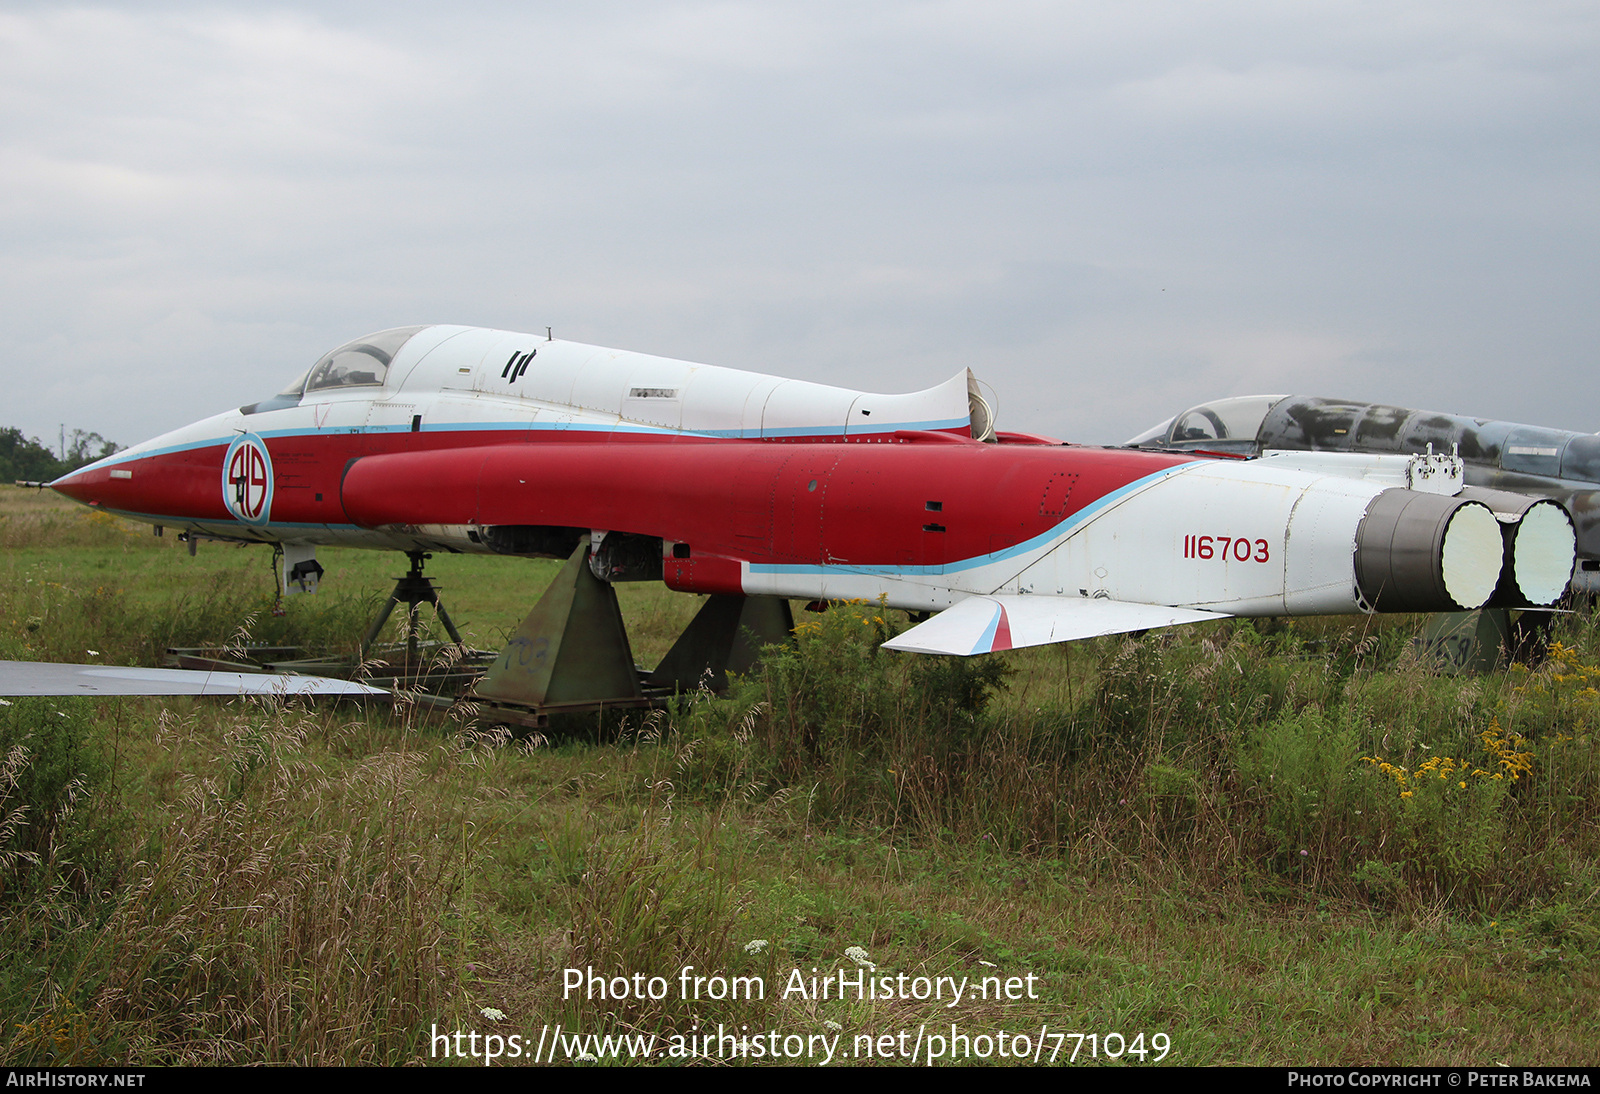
{"x": 1541, "y": 547}
{"x": 1427, "y": 553}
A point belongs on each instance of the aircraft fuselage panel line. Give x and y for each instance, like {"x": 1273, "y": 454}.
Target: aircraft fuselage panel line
{"x": 733, "y": 483}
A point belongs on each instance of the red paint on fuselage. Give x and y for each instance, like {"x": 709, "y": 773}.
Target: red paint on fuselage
{"x": 892, "y": 504}
{"x": 180, "y": 485}
{"x": 888, "y": 505}
{"x": 187, "y": 485}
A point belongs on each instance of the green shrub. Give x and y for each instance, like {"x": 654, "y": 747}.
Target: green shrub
{"x": 58, "y": 819}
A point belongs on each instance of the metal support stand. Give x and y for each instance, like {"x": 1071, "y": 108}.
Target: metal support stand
{"x": 1530, "y": 636}
{"x": 411, "y": 590}
{"x": 1467, "y": 642}
{"x": 725, "y": 636}
{"x": 571, "y": 654}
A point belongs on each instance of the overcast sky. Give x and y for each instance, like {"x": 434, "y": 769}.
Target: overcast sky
{"x": 1110, "y": 211}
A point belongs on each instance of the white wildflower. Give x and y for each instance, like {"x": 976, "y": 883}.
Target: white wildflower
{"x": 584, "y": 1058}
{"x": 831, "y": 1026}
{"x": 494, "y": 1014}
{"x": 755, "y": 946}
{"x": 859, "y": 956}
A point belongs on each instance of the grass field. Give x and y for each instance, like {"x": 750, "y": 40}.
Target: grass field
{"x": 1228, "y": 844}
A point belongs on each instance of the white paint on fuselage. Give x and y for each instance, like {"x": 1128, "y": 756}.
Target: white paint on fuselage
{"x": 465, "y": 380}
{"x": 1128, "y": 546}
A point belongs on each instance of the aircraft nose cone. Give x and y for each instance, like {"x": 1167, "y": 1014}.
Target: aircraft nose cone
{"x": 129, "y": 487}
{"x": 80, "y": 485}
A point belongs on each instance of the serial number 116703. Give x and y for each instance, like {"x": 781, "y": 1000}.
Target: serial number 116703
{"x": 1237, "y": 548}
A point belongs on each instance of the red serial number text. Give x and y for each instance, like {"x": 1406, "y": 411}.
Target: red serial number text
{"x": 1237, "y": 548}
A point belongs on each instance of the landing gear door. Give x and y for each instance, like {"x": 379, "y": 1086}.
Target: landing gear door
{"x": 301, "y": 572}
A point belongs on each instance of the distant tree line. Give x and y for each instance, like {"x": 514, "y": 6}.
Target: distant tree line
{"x": 26, "y": 459}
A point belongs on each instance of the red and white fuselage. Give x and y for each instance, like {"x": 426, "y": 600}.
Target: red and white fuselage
{"x": 472, "y": 440}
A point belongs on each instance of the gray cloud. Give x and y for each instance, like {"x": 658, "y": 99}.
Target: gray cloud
{"x": 1109, "y": 210}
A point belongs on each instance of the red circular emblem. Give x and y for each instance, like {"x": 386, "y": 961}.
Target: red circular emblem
{"x": 247, "y": 479}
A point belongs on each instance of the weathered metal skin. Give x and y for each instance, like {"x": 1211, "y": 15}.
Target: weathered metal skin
{"x": 737, "y": 484}
{"x": 1524, "y": 459}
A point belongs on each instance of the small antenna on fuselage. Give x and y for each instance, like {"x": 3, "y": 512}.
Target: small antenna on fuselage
{"x": 547, "y": 336}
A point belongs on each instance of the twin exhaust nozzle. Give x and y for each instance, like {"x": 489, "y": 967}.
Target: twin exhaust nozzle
{"x": 1480, "y": 548}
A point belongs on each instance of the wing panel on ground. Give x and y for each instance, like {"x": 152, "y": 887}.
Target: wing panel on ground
{"x": 983, "y": 624}
{"x": 44, "y": 678}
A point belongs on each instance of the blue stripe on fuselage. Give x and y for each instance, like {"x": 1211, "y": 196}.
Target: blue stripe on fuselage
{"x": 1060, "y": 531}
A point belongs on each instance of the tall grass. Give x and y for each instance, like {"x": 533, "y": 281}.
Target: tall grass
{"x": 1232, "y": 754}
{"x": 279, "y": 910}
{"x": 29, "y": 519}
{"x": 43, "y": 619}
{"x": 198, "y": 882}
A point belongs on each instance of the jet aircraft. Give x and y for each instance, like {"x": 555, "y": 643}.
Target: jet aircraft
{"x": 1525, "y": 459}
{"x": 754, "y": 489}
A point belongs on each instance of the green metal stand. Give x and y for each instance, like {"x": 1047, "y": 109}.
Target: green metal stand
{"x": 726, "y": 635}
{"x": 1463, "y": 642}
{"x": 571, "y": 654}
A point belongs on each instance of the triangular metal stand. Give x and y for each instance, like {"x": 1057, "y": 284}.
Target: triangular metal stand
{"x": 725, "y": 636}
{"x": 571, "y": 654}
{"x": 1466, "y": 642}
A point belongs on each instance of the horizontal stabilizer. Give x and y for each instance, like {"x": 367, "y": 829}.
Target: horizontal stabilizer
{"x": 983, "y": 624}
{"x": 47, "y": 678}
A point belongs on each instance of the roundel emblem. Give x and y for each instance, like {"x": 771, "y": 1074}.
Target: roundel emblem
{"x": 247, "y": 479}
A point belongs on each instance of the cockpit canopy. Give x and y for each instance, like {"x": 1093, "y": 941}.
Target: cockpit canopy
{"x": 361, "y": 363}
{"x": 1224, "y": 425}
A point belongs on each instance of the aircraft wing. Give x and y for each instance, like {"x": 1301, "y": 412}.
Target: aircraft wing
{"x": 48, "y": 678}
{"x": 983, "y": 624}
